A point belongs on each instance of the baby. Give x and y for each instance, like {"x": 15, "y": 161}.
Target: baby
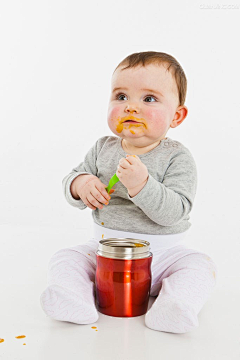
{"x": 152, "y": 200}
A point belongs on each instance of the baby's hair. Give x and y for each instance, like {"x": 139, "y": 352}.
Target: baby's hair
{"x": 151, "y": 57}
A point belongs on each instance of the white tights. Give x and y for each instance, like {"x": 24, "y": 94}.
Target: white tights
{"x": 182, "y": 280}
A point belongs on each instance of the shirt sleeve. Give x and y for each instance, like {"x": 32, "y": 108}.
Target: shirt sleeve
{"x": 168, "y": 202}
{"x": 88, "y": 166}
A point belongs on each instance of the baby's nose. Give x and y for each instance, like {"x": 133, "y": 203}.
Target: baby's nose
{"x": 132, "y": 109}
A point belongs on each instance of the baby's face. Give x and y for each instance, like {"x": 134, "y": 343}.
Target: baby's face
{"x": 143, "y": 104}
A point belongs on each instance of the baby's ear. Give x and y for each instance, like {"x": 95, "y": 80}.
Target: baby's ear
{"x": 179, "y": 116}
{"x": 175, "y": 123}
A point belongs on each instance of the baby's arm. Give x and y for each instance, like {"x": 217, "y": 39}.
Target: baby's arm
{"x": 170, "y": 201}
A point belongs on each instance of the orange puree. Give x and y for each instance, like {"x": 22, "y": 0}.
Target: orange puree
{"x": 119, "y": 127}
{"x": 1, "y": 340}
{"x": 20, "y": 337}
{"x": 139, "y": 245}
{"x": 121, "y": 123}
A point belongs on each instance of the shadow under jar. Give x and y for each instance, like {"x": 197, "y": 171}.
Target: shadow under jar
{"x": 123, "y": 277}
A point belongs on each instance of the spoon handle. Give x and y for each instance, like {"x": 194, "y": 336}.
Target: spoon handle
{"x": 114, "y": 179}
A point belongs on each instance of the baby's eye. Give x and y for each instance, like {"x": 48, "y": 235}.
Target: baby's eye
{"x": 150, "y": 96}
{"x": 118, "y": 96}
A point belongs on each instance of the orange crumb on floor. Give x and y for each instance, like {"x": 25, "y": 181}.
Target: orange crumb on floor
{"x": 1, "y": 340}
{"x": 102, "y": 223}
{"x": 24, "y": 344}
{"x": 102, "y": 236}
{"x": 20, "y": 337}
{"x": 94, "y": 327}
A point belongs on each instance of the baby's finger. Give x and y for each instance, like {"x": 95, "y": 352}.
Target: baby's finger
{"x": 132, "y": 159}
{"x": 86, "y": 202}
{"x": 93, "y": 201}
{"x": 123, "y": 163}
{"x": 99, "y": 197}
{"x": 102, "y": 189}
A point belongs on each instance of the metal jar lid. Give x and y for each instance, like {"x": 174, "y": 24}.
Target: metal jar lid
{"x": 126, "y": 249}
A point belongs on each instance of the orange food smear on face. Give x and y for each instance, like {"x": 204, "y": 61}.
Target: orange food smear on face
{"x": 89, "y": 254}
{"x": 132, "y": 132}
{"x": 1, "y": 340}
{"x": 119, "y": 128}
{"x": 121, "y": 123}
{"x": 20, "y": 337}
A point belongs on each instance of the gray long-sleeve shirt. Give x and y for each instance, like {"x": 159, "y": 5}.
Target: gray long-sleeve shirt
{"x": 164, "y": 203}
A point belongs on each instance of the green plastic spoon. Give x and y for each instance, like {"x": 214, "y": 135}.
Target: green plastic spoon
{"x": 114, "y": 179}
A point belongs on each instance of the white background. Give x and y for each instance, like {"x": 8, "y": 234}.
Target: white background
{"x": 56, "y": 63}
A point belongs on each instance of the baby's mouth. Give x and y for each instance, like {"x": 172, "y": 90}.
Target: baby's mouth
{"x": 131, "y": 120}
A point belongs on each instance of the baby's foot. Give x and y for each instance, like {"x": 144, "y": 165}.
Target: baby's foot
{"x": 64, "y": 305}
{"x": 171, "y": 315}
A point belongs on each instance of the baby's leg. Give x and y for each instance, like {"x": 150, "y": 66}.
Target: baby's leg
{"x": 70, "y": 293}
{"x": 184, "y": 287}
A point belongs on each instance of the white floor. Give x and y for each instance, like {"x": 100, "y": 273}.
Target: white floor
{"x": 25, "y": 252}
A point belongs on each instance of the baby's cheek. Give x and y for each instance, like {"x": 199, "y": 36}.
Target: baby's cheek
{"x": 153, "y": 114}
{"x": 149, "y": 113}
{"x": 154, "y": 118}
{"x": 114, "y": 120}
{"x": 113, "y": 113}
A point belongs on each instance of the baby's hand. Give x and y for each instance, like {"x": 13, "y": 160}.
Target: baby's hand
{"x": 132, "y": 173}
{"x": 92, "y": 192}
